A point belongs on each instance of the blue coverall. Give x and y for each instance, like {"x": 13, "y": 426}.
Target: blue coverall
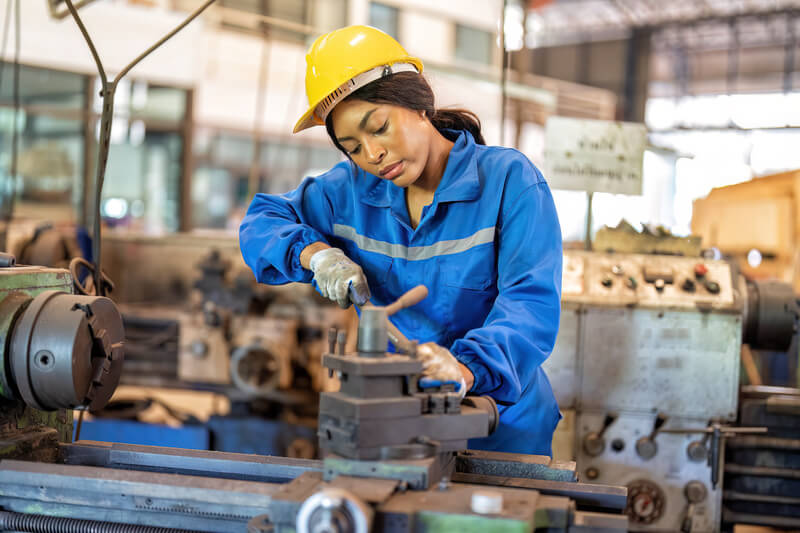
{"x": 488, "y": 248}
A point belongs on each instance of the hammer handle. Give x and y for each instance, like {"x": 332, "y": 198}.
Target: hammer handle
{"x": 412, "y": 297}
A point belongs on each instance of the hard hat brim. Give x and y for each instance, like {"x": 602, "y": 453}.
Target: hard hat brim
{"x": 307, "y": 121}
{"x": 310, "y": 119}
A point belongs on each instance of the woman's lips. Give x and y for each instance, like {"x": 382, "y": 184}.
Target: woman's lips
{"x": 392, "y": 171}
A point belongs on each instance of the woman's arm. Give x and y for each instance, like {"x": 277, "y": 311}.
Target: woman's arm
{"x": 280, "y": 233}
{"x": 520, "y": 330}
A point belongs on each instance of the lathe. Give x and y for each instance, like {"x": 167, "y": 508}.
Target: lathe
{"x": 394, "y": 452}
{"x": 646, "y": 366}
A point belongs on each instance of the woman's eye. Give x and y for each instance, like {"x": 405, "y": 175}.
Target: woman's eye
{"x": 355, "y": 150}
{"x": 382, "y": 129}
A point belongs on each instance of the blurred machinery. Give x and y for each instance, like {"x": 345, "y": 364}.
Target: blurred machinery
{"x": 59, "y": 352}
{"x": 647, "y": 360}
{"x": 394, "y": 462}
{"x": 762, "y": 472}
{"x": 230, "y": 334}
{"x": 234, "y": 338}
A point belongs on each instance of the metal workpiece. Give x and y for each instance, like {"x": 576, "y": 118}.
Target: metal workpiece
{"x": 372, "y": 335}
{"x": 132, "y": 497}
{"x": 7, "y": 260}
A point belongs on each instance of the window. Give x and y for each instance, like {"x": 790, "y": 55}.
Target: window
{"x": 50, "y": 143}
{"x": 142, "y": 189}
{"x": 220, "y": 183}
{"x": 384, "y": 18}
{"x": 473, "y": 45}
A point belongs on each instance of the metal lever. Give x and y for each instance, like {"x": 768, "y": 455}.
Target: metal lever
{"x": 718, "y": 433}
{"x": 646, "y": 447}
{"x": 594, "y": 443}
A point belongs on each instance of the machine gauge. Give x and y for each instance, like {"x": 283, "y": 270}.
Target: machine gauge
{"x": 645, "y": 501}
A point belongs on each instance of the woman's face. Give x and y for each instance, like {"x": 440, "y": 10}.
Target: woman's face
{"x": 388, "y": 141}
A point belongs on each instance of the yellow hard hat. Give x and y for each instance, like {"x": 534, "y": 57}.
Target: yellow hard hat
{"x": 345, "y": 60}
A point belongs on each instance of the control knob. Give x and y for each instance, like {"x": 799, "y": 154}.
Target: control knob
{"x": 689, "y": 285}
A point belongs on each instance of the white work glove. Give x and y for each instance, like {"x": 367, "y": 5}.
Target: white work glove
{"x": 335, "y": 274}
{"x": 439, "y": 364}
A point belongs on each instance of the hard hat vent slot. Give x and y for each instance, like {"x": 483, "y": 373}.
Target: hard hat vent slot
{"x": 358, "y": 81}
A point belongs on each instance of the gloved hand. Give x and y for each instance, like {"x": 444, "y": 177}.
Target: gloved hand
{"x": 335, "y": 273}
{"x": 439, "y": 364}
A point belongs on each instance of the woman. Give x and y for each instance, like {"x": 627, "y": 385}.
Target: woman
{"x": 422, "y": 200}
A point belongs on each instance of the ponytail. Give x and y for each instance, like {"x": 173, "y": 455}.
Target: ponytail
{"x": 458, "y": 119}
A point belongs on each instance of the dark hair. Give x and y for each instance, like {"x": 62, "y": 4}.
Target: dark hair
{"x": 411, "y": 90}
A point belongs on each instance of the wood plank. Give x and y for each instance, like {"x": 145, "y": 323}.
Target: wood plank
{"x": 766, "y": 224}
{"x": 781, "y": 184}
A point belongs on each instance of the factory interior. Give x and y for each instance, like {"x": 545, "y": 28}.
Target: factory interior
{"x": 215, "y": 317}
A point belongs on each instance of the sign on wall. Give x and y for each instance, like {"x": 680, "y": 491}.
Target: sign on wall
{"x": 594, "y": 155}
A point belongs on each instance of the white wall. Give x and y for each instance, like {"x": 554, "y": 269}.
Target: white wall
{"x": 482, "y": 14}
{"x": 222, "y": 66}
{"x": 120, "y": 33}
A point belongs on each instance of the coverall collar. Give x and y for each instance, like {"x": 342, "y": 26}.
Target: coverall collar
{"x": 459, "y": 183}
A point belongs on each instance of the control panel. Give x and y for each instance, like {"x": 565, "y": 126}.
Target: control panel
{"x": 668, "y": 475}
{"x": 647, "y": 280}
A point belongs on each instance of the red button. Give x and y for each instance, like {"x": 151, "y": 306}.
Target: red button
{"x": 700, "y": 270}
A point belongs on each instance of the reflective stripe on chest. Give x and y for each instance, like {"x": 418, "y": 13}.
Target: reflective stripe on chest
{"x": 415, "y": 253}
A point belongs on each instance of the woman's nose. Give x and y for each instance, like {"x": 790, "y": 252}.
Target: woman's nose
{"x": 374, "y": 152}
